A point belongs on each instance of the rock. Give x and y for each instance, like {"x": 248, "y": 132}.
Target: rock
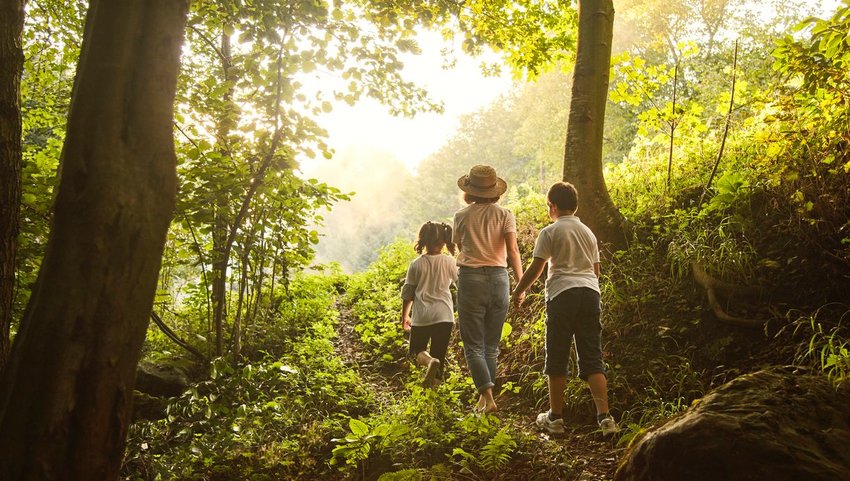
{"x": 160, "y": 380}
{"x": 148, "y": 407}
{"x": 772, "y": 425}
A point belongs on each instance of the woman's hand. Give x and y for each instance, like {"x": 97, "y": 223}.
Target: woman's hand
{"x": 405, "y": 323}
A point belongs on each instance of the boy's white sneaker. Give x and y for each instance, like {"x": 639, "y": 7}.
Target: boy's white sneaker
{"x": 608, "y": 426}
{"x": 431, "y": 373}
{"x": 552, "y": 427}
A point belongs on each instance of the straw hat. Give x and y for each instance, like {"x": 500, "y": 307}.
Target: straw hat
{"x": 482, "y": 181}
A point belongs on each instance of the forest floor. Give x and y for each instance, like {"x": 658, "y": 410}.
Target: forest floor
{"x": 581, "y": 454}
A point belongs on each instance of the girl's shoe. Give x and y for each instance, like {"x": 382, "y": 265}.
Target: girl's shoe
{"x": 431, "y": 373}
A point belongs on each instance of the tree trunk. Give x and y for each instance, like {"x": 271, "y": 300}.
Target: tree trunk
{"x": 583, "y": 152}
{"x": 12, "y": 60}
{"x": 221, "y": 257}
{"x": 66, "y": 395}
{"x": 221, "y": 233}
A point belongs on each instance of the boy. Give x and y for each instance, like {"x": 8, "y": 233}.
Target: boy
{"x": 573, "y": 306}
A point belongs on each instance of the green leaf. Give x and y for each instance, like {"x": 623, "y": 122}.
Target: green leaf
{"x": 358, "y": 427}
{"x": 507, "y": 329}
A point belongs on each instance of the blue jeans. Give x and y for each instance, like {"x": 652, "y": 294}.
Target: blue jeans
{"x": 482, "y": 304}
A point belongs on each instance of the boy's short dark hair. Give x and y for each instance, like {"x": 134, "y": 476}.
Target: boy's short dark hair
{"x": 564, "y": 195}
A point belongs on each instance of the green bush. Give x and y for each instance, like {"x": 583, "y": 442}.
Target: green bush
{"x": 375, "y": 299}
{"x": 272, "y": 417}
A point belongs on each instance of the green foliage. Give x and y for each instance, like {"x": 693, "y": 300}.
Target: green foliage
{"x": 423, "y": 429}
{"x": 533, "y": 36}
{"x": 51, "y": 41}
{"x": 496, "y": 454}
{"x": 776, "y": 214}
{"x": 828, "y": 346}
{"x": 355, "y": 448}
{"x": 272, "y": 416}
{"x": 375, "y": 299}
{"x": 809, "y": 137}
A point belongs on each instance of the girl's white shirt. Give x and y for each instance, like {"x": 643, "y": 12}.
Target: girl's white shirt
{"x": 431, "y": 274}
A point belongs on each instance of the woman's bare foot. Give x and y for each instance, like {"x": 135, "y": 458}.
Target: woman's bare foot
{"x": 486, "y": 403}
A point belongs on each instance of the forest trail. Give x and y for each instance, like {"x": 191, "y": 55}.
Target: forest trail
{"x": 581, "y": 454}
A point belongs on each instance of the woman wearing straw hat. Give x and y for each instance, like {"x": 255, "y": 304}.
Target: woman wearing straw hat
{"x": 485, "y": 234}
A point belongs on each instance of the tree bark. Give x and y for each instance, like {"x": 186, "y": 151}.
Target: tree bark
{"x": 583, "y": 151}
{"x": 66, "y": 394}
{"x": 12, "y": 60}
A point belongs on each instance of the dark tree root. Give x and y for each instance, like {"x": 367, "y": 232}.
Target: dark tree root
{"x": 715, "y": 287}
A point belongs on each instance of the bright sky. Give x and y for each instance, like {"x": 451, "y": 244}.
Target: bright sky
{"x": 367, "y": 124}
{"x": 463, "y": 89}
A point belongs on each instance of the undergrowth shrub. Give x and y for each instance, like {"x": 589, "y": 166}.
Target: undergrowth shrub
{"x": 430, "y": 431}
{"x": 297, "y": 308}
{"x": 825, "y": 345}
{"x": 375, "y": 299}
{"x": 775, "y": 216}
{"x": 274, "y": 417}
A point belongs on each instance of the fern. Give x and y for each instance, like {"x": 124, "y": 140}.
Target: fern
{"x": 496, "y": 454}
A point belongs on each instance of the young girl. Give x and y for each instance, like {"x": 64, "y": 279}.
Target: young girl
{"x": 426, "y": 288}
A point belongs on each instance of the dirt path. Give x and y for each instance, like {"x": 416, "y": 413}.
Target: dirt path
{"x": 579, "y": 455}
{"x": 382, "y": 379}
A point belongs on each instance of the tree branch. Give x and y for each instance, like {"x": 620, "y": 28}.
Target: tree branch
{"x": 173, "y": 336}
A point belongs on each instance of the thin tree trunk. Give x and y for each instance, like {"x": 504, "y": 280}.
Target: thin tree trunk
{"x": 260, "y": 261}
{"x": 169, "y": 333}
{"x": 66, "y": 394}
{"x": 221, "y": 257}
{"x": 236, "y": 337}
{"x": 256, "y": 181}
{"x": 725, "y": 127}
{"x": 221, "y": 234}
{"x": 12, "y": 61}
{"x": 583, "y": 151}
{"x": 259, "y": 278}
{"x": 271, "y": 286}
{"x": 672, "y": 127}
{"x": 202, "y": 262}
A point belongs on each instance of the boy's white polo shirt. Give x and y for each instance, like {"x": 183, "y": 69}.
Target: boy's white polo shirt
{"x": 571, "y": 250}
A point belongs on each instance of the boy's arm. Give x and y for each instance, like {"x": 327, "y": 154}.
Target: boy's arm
{"x": 514, "y": 260}
{"x": 531, "y": 275}
{"x": 596, "y": 269}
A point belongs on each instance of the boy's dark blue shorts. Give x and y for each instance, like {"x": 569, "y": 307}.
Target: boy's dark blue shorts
{"x": 575, "y": 313}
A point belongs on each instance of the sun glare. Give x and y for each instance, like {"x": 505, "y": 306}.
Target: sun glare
{"x": 368, "y": 125}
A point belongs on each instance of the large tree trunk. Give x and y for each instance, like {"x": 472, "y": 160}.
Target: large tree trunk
{"x": 583, "y": 152}
{"x": 12, "y": 61}
{"x": 66, "y": 395}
